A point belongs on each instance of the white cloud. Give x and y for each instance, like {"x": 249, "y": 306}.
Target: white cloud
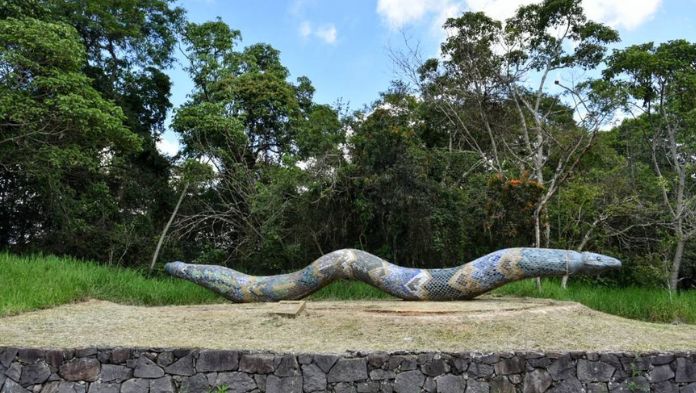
{"x": 398, "y": 13}
{"x": 305, "y": 29}
{"x": 168, "y": 147}
{"x": 326, "y": 33}
{"x": 627, "y": 14}
{"x": 298, "y": 7}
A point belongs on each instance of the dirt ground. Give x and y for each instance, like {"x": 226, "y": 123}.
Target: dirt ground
{"x": 487, "y": 324}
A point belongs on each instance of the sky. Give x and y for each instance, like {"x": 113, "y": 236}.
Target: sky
{"x": 344, "y": 46}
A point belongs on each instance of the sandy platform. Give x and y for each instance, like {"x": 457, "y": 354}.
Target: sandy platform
{"x": 487, "y": 324}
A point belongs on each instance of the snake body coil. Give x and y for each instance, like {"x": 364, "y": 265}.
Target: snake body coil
{"x": 457, "y": 283}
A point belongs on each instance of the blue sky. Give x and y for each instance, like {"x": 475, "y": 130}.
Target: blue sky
{"x": 343, "y": 46}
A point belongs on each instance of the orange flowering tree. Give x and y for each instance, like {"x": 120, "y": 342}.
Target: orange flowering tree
{"x": 510, "y": 206}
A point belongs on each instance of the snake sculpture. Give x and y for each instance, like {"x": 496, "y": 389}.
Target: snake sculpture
{"x": 456, "y": 283}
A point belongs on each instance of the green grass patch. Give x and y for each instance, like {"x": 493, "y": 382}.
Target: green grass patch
{"x": 35, "y": 282}
{"x": 349, "y": 290}
{"x": 646, "y": 304}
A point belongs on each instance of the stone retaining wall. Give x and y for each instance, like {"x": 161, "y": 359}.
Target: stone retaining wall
{"x": 121, "y": 370}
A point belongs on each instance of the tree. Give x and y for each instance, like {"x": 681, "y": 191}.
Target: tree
{"x": 493, "y": 87}
{"x": 59, "y": 139}
{"x": 603, "y": 208}
{"x": 407, "y": 196}
{"x": 248, "y": 88}
{"x": 658, "y": 84}
{"x": 127, "y": 45}
{"x": 253, "y": 126}
{"x": 482, "y": 89}
{"x": 193, "y": 174}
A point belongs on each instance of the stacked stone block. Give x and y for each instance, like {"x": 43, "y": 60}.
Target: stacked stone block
{"x": 137, "y": 370}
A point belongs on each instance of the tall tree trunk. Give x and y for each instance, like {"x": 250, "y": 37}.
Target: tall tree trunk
{"x": 166, "y": 227}
{"x": 564, "y": 282}
{"x": 539, "y": 174}
{"x": 679, "y": 204}
{"x": 547, "y": 226}
{"x": 537, "y": 239}
{"x": 676, "y": 264}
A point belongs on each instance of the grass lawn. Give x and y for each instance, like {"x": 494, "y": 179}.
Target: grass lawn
{"x": 34, "y": 282}
{"x": 646, "y": 304}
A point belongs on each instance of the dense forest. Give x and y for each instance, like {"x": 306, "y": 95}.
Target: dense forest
{"x": 510, "y": 137}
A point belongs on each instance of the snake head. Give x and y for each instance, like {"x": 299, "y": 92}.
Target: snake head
{"x": 595, "y": 263}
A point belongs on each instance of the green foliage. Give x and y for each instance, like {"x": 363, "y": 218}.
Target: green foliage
{"x": 409, "y": 204}
{"x": 195, "y": 172}
{"x": 220, "y": 389}
{"x": 141, "y": 31}
{"x": 60, "y": 138}
{"x": 532, "y": 27}
{"x": 320, "y": 134}
{"x": 254, "y": 126}
{"x": 44, "y": 93}
{"x": 658, "y": 84}
{"x": 492, "y": 92}
{"x": 86, "y": 97}
{"x": 207, "y": 129}
{"x": 241, "y": 100}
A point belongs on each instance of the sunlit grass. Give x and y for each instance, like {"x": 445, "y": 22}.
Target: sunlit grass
{"x": 35, "y": 282}
{"x": 647, "y": 304}
{"x": 349, "y": 290}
